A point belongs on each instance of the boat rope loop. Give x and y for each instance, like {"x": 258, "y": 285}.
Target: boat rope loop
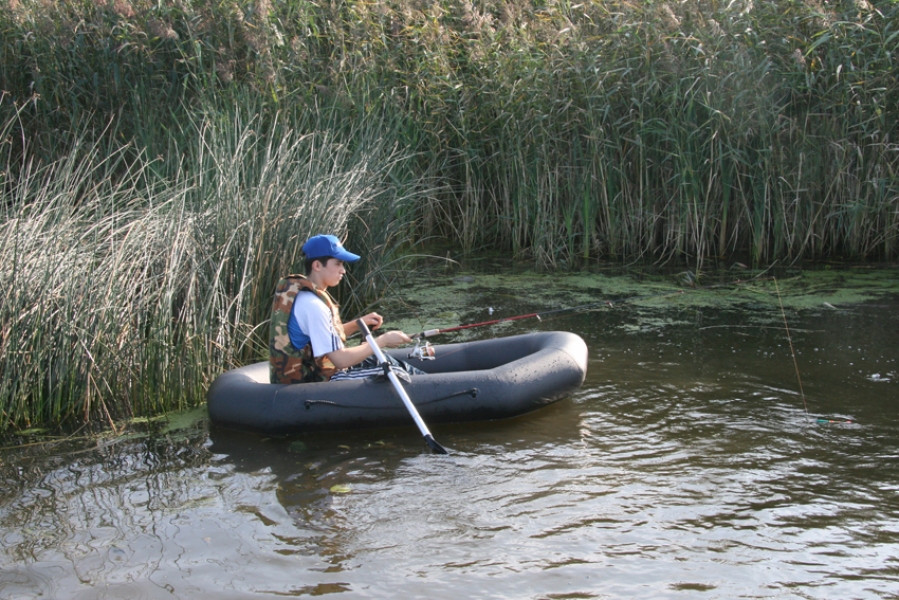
{"x": 473, "y": 392}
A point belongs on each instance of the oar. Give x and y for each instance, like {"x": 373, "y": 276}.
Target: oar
{"x": 432, "y": 443}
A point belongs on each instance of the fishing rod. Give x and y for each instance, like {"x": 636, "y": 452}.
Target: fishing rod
{"x": 583, "y": 307}
{"x": 426, "y": 351}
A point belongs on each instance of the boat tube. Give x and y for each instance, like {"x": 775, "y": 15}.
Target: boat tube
{"x": 469, "y": 381}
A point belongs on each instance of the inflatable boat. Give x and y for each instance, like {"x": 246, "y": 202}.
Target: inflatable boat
{"x": 470, "y": 381}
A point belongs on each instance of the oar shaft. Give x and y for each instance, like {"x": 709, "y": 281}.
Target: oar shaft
{"x": 401, "y": 392}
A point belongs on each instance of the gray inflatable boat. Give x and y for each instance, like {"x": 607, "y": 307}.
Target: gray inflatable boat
{"x": 470, "y": 381}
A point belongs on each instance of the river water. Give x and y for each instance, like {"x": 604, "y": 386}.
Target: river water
{"x": 689, "y": 465}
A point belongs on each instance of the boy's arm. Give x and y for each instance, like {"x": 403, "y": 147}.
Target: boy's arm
{"x": 348, "y": 357}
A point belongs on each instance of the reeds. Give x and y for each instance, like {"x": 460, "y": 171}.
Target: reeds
{"x": 565, "y": 133}
{"x": 124, "y": 293}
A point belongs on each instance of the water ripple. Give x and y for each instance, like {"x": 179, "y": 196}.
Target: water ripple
{"x": 687, "y": 466}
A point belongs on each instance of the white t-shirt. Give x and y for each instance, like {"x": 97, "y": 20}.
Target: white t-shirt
{"x": 310, "y": 320}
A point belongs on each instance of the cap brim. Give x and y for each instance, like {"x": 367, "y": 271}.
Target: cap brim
{"x": 347, "y": 256}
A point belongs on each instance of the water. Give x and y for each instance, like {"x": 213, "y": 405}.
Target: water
{"x": 687, "y": 466}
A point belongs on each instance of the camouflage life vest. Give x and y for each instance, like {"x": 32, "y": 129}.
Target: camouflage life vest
{"x": 288, "y": 364}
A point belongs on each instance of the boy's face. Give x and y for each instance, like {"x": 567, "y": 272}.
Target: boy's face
{"x": 332, "y": 272}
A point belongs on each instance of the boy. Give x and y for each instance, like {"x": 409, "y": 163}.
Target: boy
{"x": 307, "y": 335}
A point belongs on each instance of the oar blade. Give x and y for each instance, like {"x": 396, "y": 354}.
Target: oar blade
{"x": 437, "y": 448}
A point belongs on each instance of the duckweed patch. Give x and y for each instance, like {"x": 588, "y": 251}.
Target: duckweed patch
{"x": 435, "y": 301}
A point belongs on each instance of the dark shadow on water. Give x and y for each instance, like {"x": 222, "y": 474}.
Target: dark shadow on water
{"x": 285, "y": 455}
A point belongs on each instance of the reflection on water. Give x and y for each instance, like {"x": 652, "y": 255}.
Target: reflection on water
{"x": 686, "y": 466}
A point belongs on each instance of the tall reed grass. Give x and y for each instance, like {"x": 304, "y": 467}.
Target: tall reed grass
{"x": 124, "y": 293}
{"x": 564, "y": 132}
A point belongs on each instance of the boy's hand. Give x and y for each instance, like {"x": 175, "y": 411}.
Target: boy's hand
{"x": 392, "y": 339}
{"x": 373, "y": 320}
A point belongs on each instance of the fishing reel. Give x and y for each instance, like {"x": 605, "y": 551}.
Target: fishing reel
{"x": 425, "y": 352}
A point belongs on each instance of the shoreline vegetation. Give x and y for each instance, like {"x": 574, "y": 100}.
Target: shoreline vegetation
{"x": 162, "y": 163}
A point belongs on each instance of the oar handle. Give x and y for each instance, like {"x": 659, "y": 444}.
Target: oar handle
{"x": 401, "y": 392}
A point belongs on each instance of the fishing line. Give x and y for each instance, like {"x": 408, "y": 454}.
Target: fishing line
{"x": 792, "y": 350}
{"x": 796, "y": 364}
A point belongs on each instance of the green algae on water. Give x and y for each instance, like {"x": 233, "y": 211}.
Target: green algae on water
{"x": 432, "y": 301}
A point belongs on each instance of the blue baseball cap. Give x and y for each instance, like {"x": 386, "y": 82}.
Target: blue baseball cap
{"x": 319, "y": 246}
